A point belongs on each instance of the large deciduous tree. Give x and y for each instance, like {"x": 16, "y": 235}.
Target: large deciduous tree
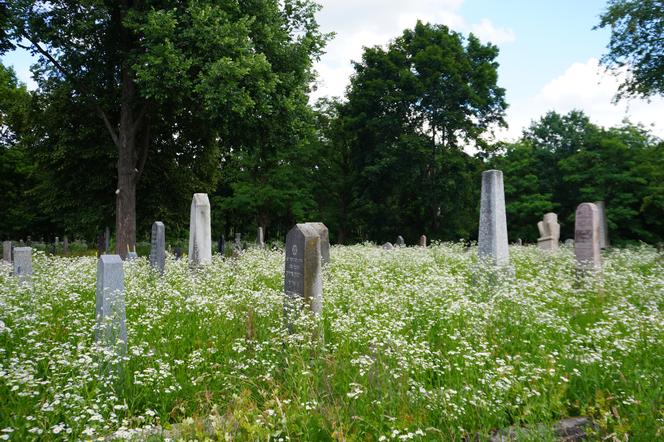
{"x": 165, "y": 73}
{"x": 637, "y": 44}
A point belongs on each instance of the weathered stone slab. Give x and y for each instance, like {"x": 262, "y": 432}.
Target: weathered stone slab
{"x": 603, "y": 225}
{"x": 7, "y": 251}
{"x": 423, "y": 241}
{"x": 23, "y": 262}
{"x": 260, "y": 242}
{"x": 324, "y": 234}
{"x": 388, "y": 246}
{"x": 302, "y": 274}
{"x": 65, "y": 245}
{"x": 200, "y": 231}
{"x": 400, "y": 242}
{"x": 158, "y": 246}
{"x": 586, "y": 237}
{"x": 110, "y": 303}
{"x": 549, "y": 231}
{"x": 492, "y": 239}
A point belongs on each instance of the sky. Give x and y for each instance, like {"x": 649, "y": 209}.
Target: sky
{"x": 548, "y": 53}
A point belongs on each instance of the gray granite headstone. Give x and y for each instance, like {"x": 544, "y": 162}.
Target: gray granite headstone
{"x": 200, "y": 231}
{"x": 586, "y": 237}
{"x": 400, "y": 242}
{"x": 7, "y": 251}
{"x": 65, "y": 245}
{"x": 260, "y": 242}
{"x": 158, "y": 246}
{"x": 302, "y": 273}
{"x": 388, "y": 246}
{"x": 23, "y": 262}
{"x": 111, "y": 316}
{"x": 423, "y": 241}
{"x": 603, "y": 225}
{"x": 492, "y": 239}
{"x": 549, "y": 231}
{"x": 324, "y": 234}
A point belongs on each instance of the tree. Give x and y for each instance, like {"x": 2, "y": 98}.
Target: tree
{"x": 201, "y": 66}
{"x": 637, "y": 45}
{"x": 411, "y": 109}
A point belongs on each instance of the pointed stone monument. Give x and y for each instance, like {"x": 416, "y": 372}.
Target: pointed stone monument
{"x": 110, "y": 303}
{"x": 302, "y": 273}
{"x": 549, "y": 231}
{"x": 603, "y": 225}
{"x": 158, "y": 246}
{"x": 492, "y": 239}
{"x": 200, "y": 232}
{"x": 587, "y": 237}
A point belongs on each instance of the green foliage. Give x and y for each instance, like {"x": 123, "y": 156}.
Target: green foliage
{"x": 636, "y": 45}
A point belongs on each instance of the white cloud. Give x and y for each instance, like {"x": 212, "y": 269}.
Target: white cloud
{"x": 367, "y": 23}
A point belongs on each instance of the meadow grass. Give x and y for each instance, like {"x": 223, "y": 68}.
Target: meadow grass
{"x": 413, "y": 343}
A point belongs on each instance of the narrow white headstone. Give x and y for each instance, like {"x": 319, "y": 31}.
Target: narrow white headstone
{"x": 7, "y": 251}
{"x": 549, "y": 231}
{"x": 23, "y": 262}
{"x": 423, "y": 241}
{"x": 158, "y": 246}
{"x": 603, "y": 225}
{"x": 259, "y": 238}
{"x": 111, "y": 316}
{"x": 324, "y": 234}
{"x": 200, "y": 232}
{"x": 400, "y": 242}
{"x": 586, "y": 237}
{"x": 492, "y": 240}
{"x": 302, "y": 274}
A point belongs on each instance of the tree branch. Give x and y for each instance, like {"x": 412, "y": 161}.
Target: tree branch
{"x": 108, "y": 125}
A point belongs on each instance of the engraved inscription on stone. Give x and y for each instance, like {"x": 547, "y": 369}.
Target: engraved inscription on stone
{"x": 586, "y": 236}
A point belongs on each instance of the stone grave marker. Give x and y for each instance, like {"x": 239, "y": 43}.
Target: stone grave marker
{"x": 221, "y": 246}
{"x": 65, "y": 245}
{"x": 29, "y": 241}
{"x": 111, "y": 315}
{"x": 587, "y": 237}
{"x": 492, "y": 239}
{"x": 302, "y": 273}
{"x": 23, "y": 262}
{"x": 237, "y": 245}
{"x": 549, "y": 231}
{"x": 158, "y": 246}
{"x": 400, "y": 242}
{"x": 388, "y": 246}
{"x": 324, "y": 234}
{"x": 200, "y": 231}
{"x": 260, "y": 242}
{"x": 7, "y": 251}
{"x": 423, "y": 241}
{"x": 603, "y": 225}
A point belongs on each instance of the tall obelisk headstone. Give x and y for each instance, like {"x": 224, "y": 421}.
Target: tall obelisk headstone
{"x": 549, "y": 231}
{"x": 200, "y": 231}
{"x": 7, "y": 251}
{"x": 324, "y": 234}
{"x": 111, "y": 315}
{"x": 158, "y": 246}
{"x": 492, "y": 241}
{"x": 23, "y": 262}
{"x": 302, "y": 273}
{"x": 587, "y": 237}
{"x": 603, "y": 225}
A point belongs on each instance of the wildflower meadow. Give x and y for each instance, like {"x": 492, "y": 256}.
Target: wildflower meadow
{"x": 412, "y": 344}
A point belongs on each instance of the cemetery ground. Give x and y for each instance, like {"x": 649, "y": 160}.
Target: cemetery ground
{"x": 412, "y": 343}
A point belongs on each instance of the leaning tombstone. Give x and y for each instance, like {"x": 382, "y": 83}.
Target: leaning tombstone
{"x": 303, "y": 281}
{"x": 400, "y": 242}
{"x": 111, "y": 316}
{"x": 324, "y": 234}
{"x": 549, "y": 231}
{"x": 200, "y": 232}
{"x": 23, "y": 262}
{"x": 388, "y": 246}
{"x": 603, "y": 225}
{"x": 492, "y": 240}
{"x": 260, "y": 243}
{"x": 587, "y": 238}
{"x": 158, "y": 246}
{"x": 423, "y": 241}
{"x": 7, "y": 251}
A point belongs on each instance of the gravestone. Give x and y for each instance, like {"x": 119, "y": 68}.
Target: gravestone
{"x": 519, "y": 242}
{"x": 200, "y": 232}
{"x": 29, "y": 241}
{"x": 65, "y": 245}
{"x": 603, "y": 225}
{"x": 22, "y": 262}
{"x": 549, "y": 231}
{"x": 388, "y": 246}
{"x": 302, "y": 273}
{"x": 221, "y": 246}
{"x": 111, "y": 316}
{"x": 324, "y": 234}
{"x": 492, "y": 240}
{"x": 107, "y": 240}
{"x": 423, "y": 241}
{"x": 400, "y": 242}
{"x": 259, "y": 238}
{"x": 7, "y": 251}
{"x": 586, "y": 237}
{"x": 57, "y": 241}
{"x": 237, "y": 245}
{"x": 158, "y": 246}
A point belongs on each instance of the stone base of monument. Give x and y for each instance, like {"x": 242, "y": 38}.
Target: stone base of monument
{"x": 547, "y": 243}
